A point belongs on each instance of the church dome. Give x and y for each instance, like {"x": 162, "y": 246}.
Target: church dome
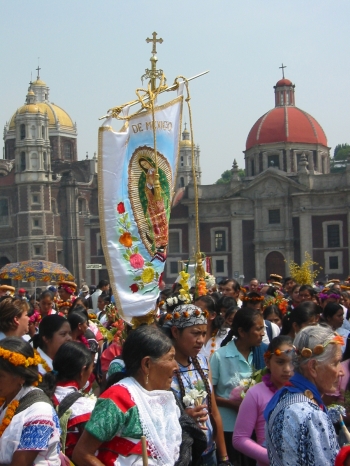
{"x": 285, "y": 122}
{"x": 54, "y": 113}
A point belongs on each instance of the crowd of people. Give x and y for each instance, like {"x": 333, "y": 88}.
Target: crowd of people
{"x": 226, "y": 375}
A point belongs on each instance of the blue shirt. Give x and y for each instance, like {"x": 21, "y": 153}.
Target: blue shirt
{"x": 228, "y": 368}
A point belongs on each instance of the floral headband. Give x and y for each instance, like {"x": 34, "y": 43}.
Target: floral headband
{"x": 254, "y": 299}
{"x": 325, "y": 296}
{"x": 35, "y": 317}
{"x": 17, "y": 359}
{"x": 319, "y": 349}
{"x": 186, "y": 315}
{"x": 67, "y": 288}
{"x": 278, "y": 352}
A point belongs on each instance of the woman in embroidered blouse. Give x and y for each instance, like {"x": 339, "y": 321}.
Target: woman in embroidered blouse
{"x": 187, "y": 327}
{"x": 54, "y": 330}
{"x": 72, "y": 366}
{"x": 299, "y": 429}
{"x": 14, "y": 320}
{"x": 250, "y": 416}
{"x": 233, "y": 362}
{"x": 139, "y": 404}
{"x": 29, "y": 428}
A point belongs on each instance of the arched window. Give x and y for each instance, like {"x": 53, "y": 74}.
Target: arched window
{"x": 33, "y": 128}
{"x": 182, "y": 182}
{"x": 43, "y": 132}
{"x": 67, "y": 151}
{"x": 22, "y": 131}
{"x": 45, "y": 161}
{"x": 34, "y": 161}
{"x": 22, "y": 166}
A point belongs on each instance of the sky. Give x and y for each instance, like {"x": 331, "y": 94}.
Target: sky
{"x": 93, "y": 53}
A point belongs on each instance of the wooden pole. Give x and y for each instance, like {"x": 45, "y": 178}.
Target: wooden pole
{"x": 144, "y": 451}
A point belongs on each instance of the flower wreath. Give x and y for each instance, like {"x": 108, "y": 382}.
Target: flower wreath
{"x": 319, "y": 349}
{"x": 254, "y": 299}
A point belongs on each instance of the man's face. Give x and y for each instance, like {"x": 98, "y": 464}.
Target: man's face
{"x": 253, "y": 285}
{"x": 289, "y": 285}
{"x": 227, "y": 290}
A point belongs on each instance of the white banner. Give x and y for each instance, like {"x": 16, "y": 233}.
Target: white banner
{"x": 134, "y": 222}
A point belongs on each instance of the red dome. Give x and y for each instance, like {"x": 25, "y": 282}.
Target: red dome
{"x": 284, "y": 82}
{"x": 286, "y": 124}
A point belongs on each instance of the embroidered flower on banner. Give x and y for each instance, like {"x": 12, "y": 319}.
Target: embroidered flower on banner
{"x": 143, "y": 271}
{"x": 137, "y": 261}
{"x": 121, "y": 208}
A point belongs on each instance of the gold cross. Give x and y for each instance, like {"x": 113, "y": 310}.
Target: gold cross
{"x": 154, "y": 40}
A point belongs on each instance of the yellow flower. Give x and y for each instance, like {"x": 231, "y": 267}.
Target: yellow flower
{"x": 147, "y": 275}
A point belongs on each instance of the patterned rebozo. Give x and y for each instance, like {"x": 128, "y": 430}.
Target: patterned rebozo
{"x": 300, "y": 441}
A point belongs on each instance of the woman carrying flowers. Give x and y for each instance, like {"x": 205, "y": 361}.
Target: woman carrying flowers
{"x": 29, "y": 428}
{"x": 187, "y": 327}
{"x": 250, "y": 416}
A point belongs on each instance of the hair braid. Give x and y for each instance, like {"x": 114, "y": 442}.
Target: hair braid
{"x": 181, "y": 384}
{"x": 198, "y": 367}
{"x": 228, "y": 338}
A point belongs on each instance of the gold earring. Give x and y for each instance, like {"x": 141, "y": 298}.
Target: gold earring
{"x": 147, "y": 379}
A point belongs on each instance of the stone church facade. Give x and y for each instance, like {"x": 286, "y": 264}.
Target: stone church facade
{"x": 287, "y": 204}
{"x": 48, "y": 199}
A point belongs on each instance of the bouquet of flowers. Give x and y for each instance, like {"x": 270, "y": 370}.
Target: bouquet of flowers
{"x": 239, "y": 392}
{"x": 194, "y": 397}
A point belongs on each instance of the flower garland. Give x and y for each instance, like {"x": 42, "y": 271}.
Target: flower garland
{"x": 255, "y": 298}
{"x": 10, "y": 412}
{"x": 213, "y": 342}
{"x": 17, "y": 359}
{"x": 201, "y": 287}
{"x": 277, "y": 300}
{"x": 319, "y": 349}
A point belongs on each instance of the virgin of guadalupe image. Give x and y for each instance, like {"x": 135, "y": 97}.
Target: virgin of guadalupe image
{"x": 156, "y": 211}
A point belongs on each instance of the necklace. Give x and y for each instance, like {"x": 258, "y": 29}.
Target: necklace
{"x": 10, "y": 412}
{"x": 213, "y": 342}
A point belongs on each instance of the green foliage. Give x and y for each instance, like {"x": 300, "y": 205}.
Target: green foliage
{"x": 341, "y": 151}
{"x": 225, "y": 177}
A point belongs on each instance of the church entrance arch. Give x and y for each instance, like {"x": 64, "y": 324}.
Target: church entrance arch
{"x": 274, "y": 263}
{"x": 3, "y": 261}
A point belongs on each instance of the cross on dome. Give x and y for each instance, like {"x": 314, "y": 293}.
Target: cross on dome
{"x": 282, "y": 67}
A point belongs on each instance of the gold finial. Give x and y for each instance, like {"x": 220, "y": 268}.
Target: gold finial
{"x": 153, "y": 73}
{"x": 282, "y": 67}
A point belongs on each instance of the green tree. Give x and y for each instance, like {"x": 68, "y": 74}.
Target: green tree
{"x": 341, "y": 151}
{"x": 226, "y": 176}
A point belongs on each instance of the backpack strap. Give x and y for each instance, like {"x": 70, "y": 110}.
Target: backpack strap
{"x": 67, "y": 402}
{"x": 34, "y": 396}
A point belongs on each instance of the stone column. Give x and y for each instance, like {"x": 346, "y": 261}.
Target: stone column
{"x": 305, "y": 234}
{"x": 237, "y": 242}
{"x": 288, "y": 161}
{"x": 280, "y": 158}
{"x": 265, "y": 161}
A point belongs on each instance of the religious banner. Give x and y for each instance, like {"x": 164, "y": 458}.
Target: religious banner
{"x": 134, "y": 213}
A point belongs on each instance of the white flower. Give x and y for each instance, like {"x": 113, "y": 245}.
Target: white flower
{"x": 188, "y": 401}
{"x": 244, "y": 383}
{"x": 252, "y": 382}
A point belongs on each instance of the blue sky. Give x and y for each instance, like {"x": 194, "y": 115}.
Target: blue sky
{"x": 93, "y": 53}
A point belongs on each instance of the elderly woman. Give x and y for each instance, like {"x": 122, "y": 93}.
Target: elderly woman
{"x": 29, "y": 428}
{"x": 140, "y": 404}
{"x": 299, "y": 430}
